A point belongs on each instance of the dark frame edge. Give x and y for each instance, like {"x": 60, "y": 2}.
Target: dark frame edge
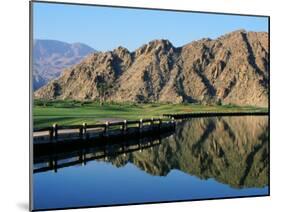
{"x": 269, "y": 111}
{"x": 31, "y": 208}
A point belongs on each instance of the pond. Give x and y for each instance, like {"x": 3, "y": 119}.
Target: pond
{"x": 204, "y": 158}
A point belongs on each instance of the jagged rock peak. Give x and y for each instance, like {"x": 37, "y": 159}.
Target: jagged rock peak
{"x": 121, "y": 51}
{"x": 160, "y": 42}
{"x": 155, "y": 46}
{"x": 236, "y": 33}
{"x": 232, "y": 69}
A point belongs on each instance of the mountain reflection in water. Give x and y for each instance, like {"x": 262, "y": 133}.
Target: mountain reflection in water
{"x": 232, "y": 150}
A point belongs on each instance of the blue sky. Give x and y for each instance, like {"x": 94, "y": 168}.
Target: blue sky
{"x": 106, "y": 28}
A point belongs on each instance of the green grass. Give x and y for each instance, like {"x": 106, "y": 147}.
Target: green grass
{"x": 70, "y": 112}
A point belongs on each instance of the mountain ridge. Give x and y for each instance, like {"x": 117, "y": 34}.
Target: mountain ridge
{"x": 51, "y": 57}
{"x": 207, "y": 71}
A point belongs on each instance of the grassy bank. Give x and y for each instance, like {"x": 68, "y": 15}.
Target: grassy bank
{"x": 75, "y": 112}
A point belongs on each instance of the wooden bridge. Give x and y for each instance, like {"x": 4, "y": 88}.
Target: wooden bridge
{"x": 108, "y": 129}
{"x": 56, "y": 157}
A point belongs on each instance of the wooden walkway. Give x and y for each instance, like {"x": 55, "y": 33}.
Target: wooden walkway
{"x": 59, "y": 155}
{"x": 108, "y": 129}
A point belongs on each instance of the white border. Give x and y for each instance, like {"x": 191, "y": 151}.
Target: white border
{"x": 14, "y": 88}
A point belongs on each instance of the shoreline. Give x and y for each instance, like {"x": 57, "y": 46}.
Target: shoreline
{"x": 212, "y": 114}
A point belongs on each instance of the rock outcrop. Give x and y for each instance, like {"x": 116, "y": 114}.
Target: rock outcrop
{"x": 232, "y": 69}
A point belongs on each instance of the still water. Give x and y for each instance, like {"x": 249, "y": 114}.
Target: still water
{"x": 203, "y": 158}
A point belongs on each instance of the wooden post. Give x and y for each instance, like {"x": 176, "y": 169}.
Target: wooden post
{"x": 151, "y": 121}
{"x": 84, "y": 158}
{"x": 55, "y": 130}
{"x": 85, "y": 129}
{"x": 124, "y": 128}
{"x": 54, "y": 165}
{"x": 173, "y": 122}
{"x": 140, "y": 124}
{"x": 106, "y": 128}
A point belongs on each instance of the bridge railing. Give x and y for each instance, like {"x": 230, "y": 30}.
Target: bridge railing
{"x": 104, "y": 127}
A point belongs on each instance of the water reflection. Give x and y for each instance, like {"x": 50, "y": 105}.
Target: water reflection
{"x": 233, "y": 150}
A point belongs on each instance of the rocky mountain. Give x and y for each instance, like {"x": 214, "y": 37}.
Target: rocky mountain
{"x": 51, "y": 57}
{"x": 231, "y": 150}
{"x": 232, "y": 69}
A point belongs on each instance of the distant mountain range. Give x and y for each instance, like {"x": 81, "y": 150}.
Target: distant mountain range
{"x": 232, "y": 69}
{"x": 51, "y": 57}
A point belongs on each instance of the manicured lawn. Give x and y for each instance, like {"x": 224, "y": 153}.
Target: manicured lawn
{"x": 75, "y": 112}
